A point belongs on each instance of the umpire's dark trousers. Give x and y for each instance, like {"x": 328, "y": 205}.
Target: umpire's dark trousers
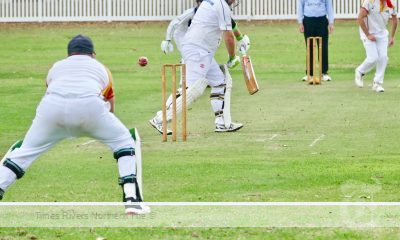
{"x": 318, "y": 27}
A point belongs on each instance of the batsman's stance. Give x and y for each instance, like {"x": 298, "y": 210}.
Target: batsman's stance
{"x": 211, "y": 23}
{"x": 79, "y": 101}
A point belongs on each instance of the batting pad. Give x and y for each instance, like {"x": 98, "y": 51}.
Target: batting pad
{"x": 138, "y": 153}
{"x": 227, "y": 98}
{"x": 192, "y": 93}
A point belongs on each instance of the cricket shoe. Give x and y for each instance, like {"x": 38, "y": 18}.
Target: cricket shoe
{"x": 377, "y": 87}
{"x": 358, "y": 79}
{"x": 131, "y": 196}
{"x": 1, "y": 193}
{"x": 133, "y": 206}
{"x": 232, "y": 128}
{"x": 305, "y": 78}
{"x": 155, "y": 124}
{"x": 326, "y": 78}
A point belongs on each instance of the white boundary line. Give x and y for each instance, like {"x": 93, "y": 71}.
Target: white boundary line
{"x": 317, "y": 140}
{"x": 203, "y": 203}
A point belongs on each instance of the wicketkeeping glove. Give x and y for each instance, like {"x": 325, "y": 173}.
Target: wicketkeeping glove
{"x": 233, "y": 61}
{"x": 167, "y": 46}
{"x": 243, "y": 44}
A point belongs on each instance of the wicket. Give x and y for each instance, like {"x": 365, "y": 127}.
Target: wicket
{"x": 173, "y": 67}
{"x": 314, "y": 41}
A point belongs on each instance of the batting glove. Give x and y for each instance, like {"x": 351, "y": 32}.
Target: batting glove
{"x": 243, "y": 44}
{"x": 233, "y": 61}
{"x": 166, "y": 46}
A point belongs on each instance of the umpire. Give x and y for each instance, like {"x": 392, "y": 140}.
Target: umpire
{"x": 315, "y": 18}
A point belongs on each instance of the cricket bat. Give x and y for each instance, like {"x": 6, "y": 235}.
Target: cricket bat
{"x": 248, "y": 74}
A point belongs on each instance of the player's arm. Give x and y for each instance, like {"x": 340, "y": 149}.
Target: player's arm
{"x": 361, "y": 17}
{"x": 243, "y": 40}
{"x": 229, "y": 38}
{"x": 230, "y": 43}
{"x": 166, "y": 45}
{"x": 300, "y": 15}
{"x": 394, "y": 29}
{"x": 108, "y": 92}
{"x": 225, "y": 25}
{"x": 331, "y": 17}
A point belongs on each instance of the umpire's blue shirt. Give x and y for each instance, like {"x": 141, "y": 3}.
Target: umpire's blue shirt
{"x": 314, "y": 8}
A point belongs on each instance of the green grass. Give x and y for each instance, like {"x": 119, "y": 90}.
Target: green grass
{"x": 359, "y": 128}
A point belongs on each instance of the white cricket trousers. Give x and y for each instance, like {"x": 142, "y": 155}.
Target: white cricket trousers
{"x": 201, "y": 64}
{"x": 60, "y": 117}
{"x": 377, "y": 56}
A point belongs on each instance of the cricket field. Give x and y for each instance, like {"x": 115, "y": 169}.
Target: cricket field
{"x": 331, "y": 143}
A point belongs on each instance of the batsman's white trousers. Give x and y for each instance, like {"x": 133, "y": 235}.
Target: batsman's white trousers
{"x": 201, "y": 64}
{"x": 377, "y": 56}
{"x": 60, "y": 117}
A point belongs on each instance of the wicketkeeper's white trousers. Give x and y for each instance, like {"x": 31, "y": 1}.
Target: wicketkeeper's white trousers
{"x": 58, "y": 118}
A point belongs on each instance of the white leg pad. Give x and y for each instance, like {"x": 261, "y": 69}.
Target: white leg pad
{"x": 227, "y": 98}
{"x": 138, "y": 154}
{"x": 192, "y": 93}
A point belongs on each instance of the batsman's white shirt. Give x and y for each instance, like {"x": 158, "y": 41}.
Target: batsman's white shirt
{"x": 178, "y": 27}
{"x": 73, "y": 106}
{"x": 211, "y": 18}
{"x": 202, "y": 41}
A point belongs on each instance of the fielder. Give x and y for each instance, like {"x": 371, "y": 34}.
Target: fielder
{"x": 79, "y": 101}
{"x": 373, "y": 18}
{"x": 198, "y": 46}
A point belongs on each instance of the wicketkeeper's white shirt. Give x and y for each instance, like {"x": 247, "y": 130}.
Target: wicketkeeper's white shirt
{"x": 212, "y": 17}
{"x": 77, "y": 76}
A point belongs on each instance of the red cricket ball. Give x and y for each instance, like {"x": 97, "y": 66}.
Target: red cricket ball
{"x": 143, "y": 61}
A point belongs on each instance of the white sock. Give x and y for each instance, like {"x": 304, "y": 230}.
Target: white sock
{"x": 7, "y": 177}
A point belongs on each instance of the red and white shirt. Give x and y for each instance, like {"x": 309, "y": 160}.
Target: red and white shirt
{"x": 379, "y": 13}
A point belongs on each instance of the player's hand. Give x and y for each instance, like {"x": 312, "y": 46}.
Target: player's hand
{"x": 391, "y": 41}
{"x": 371, "y": 37}
{"x": 301, "y": 28}
{"x": 166, "y": 46}
{"x": 233, "y": 61}
{"x": 244, "y": 44}
{"x": 331, "y": 28}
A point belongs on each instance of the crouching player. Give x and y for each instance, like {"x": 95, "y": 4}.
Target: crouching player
{"x": 79, "y": 101}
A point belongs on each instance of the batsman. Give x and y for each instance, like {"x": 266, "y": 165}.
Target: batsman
{"x": 79, "y": 101}
{"x": 211, "y": 23}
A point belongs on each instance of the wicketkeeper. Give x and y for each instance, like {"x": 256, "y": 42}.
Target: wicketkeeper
{"x": 79, "y": 101}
